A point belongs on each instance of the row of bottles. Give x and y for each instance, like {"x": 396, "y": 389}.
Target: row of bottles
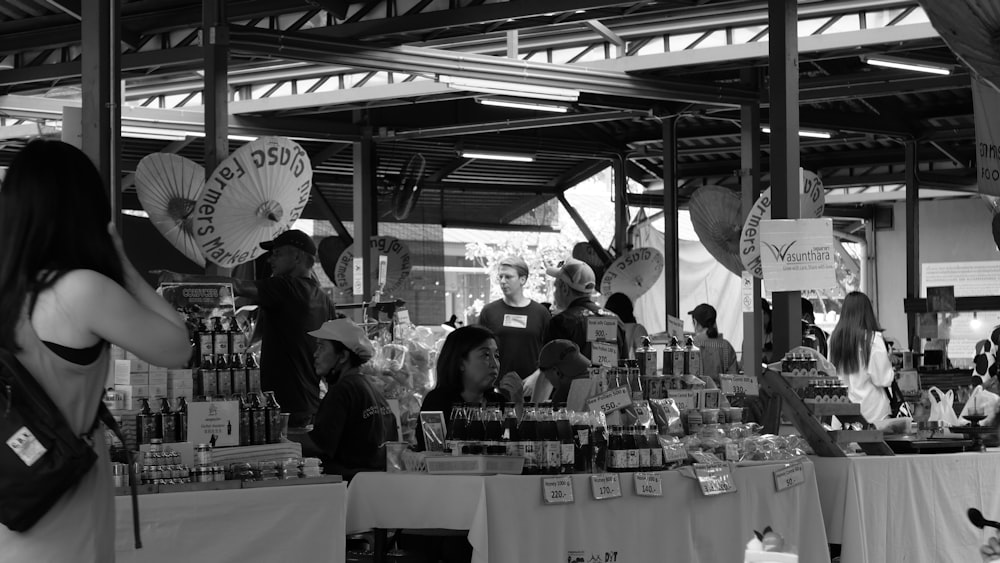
{"x": 631, "y": 448}
{"x": 800, "y": 365}
{"x": 227, "y": 375}
{"x": 677, "y": 360}
{"x": 220, "y": 338}
{"x": 260, "y": 419}
{"x": 165, "y": 425}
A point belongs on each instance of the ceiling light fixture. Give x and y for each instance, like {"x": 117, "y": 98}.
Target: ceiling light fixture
{"x": 811, "y": 133}
{"x": 511, "y": 89}
{"x": 171, "y": 134}
{"x": 906, "y": 64}
{"x": 498, "y": 155}
{"x": 518, "y": 104}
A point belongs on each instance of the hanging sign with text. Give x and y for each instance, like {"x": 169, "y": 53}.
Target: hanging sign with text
{"x": 985, "y": 100}
{"x": 798, "y": 254}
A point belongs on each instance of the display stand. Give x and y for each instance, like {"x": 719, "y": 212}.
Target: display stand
{"x": 825, "y": 443}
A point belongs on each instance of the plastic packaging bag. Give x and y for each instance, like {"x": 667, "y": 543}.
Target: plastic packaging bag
{"x": 981, "y": 402}
{"x": 942, "y": 407}
{"x": 667, "y": 417}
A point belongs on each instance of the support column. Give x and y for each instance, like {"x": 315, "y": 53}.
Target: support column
{"x": 912, "y": 241}
{"x": 783, "y": 69}
{"x": 621, "y": 204}
{"x": 215, "y": 54}
{"x": 671, "y": 244}
{"x": 753, "y": 321}
{"x": 364, "y": 207}
{"x": 101, "y": 82}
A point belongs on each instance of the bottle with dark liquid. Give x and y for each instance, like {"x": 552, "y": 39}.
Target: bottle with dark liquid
{"x": 655, "y": 449}
{"x": 581, "y": 443}
{"x": 493, "y": 421}
{"x": 510, "y": 436}
{"x": 564, "y": 428}
{"x": 643, "y": 447}
{"x": 206, "y": 346}
{"x": 246, "y": 434}
{"x": 181, "y": 420}
{"x": 692, "y": 358}
{"x": 647, "y": 357}
{"x": 549, "y": 434}
{"x": 599, "y": 453}
{"x": 631, "y": 449}
{"x": 207, "y": 378}
{"x": 273, "y": 413}
{"x": 527, "y": 431}
{"x": 168, "y": 422}
{"x": 220, "y": 338}
{"x": 617, "y": 454}
{"x": 237, "y": 340}
{"x": 253, "y": 373}
{"x": 147, "y": 423}
{"x": 475, "y": 427}
{"x": 258, "y": 420}
{"x": 238, "y": 374}
{"x": 223, "y": 375}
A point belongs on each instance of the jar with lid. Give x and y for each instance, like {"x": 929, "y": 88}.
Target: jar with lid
{"x": 156, "y": 445}
{"x": 203, "y": 454}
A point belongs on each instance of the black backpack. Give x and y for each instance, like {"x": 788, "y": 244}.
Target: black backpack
{"x": 41, "y": 457}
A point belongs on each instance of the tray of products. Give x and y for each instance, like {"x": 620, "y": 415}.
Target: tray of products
{"x": 474, "y": 465}
{"x": 916, "y": 445}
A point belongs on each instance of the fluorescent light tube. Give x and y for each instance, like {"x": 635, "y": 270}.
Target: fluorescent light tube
{"x": 812, "y": 133}
{"x": 906, "y": 64}
{"x": 496, "y": 155}
{"x": 522, "y": 105}
{"x": 511, "y": 89}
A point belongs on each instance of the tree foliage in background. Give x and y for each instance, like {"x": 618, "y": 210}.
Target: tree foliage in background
{"x": 536, "y": 250}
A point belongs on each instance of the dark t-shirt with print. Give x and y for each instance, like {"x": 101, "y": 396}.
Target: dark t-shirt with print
{"x": 290, "y": 308}
{"x": 520, "y": 332}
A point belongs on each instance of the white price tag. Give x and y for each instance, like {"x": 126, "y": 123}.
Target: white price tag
{"x": 686, "y": 399}
{"x": 383, "y": 269}
{"x": 604, "y": 354}
{"x": 602, "y": 329}
{"x": 715, "y": 479}
{"x": 747, "y": 294}
{"x": 359, "y": 273}
{"x": 557, "y": 490}
{"x": 789, "y": 477}
{"x": 606, "y": 486}
{"x": 610, "y": 401}
{"x": 648, "y": 485}
{"x": 403, "y": 317}
{"x": 740, "y": 384}
{"x": 675, "y": 327}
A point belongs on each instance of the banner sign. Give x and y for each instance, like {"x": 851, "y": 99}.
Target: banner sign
{"x": 798, "y": 254}
{"x": 985, "y": 101}
{"x": 393, "y": 265}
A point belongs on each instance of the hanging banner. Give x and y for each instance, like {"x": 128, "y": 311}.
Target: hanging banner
{"x": 798, "y": 254}
{"x": 986, "y": 105}
{"x": 393, "y": 265}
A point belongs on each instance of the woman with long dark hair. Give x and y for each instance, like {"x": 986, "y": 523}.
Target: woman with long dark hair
{"x": 717, "y": 354}
{"x": 67, "y": 290}
{"x": 468, "y": 371}
{"x": 858, "y": 351}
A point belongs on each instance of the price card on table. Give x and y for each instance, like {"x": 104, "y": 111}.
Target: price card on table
{"x": 602, "y": 329}
{"x": 610, "y": 401}
{"x": 648, "y": 485}
{"x": 605, "y": 486}
{"x": 740, "y": 384}
{"x": 789, "y": 477}
{"x": 604, "y": 354}
{"x": 716, "y": 479}
{"x": 557, "y": 490}
{"x": 675, "y": 327}
{"x": 686, "y": 399}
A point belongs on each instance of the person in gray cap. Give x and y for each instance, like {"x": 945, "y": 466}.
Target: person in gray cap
{"x": 291, "y": 304}
{"x": 518, "y": 322}
{"x": 574, "y": 299}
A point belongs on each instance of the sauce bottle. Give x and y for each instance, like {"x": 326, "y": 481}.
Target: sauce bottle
{"x": 673, "y": 359}
{"x": 599, "y": 440}
{"x": 253, "y": 373}
{"x": 631, "y": 449}
{"x": 272, "y": 413}
{"x": 147, "y": 423}
{"x": 237, "y": 341}
{"x": 510, "y": 436}
{"x": 258, "y": 421}
{"x": 581, "y": 443}
{"x": 527, "y": 432}
{"x": 645, "y": 463}
{"x": 553, "y": 445}
{"x": 220, "y": 338}
{"x": 692, "y": 358}
{"x": 493, "y": 421}
{"x": 647, "y": 357}
{"x": 475, "y": 427}
{"x": 223, "y": 376}
{"x": 181, "y": 419}
{"x": 206, "y": 346}
{"x": 207, "y": 378}
{"x": 238, "y": 374}
{"x": 246, "y": 435}
{"x": 564, "y": 429}
{"x": 617, "y": 454}
{"x": 168, "y": 422}
{"x": 655, "y": 449}
{"x": 635, "y": 380}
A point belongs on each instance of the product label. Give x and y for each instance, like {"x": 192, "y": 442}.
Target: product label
{"x": 740, "y": 385}
{"x": 26, "y": 446}
{"x": 515, "y": 321}
{"x": 553, "y": 455}
{"x": 604, "y": 354}
{"x": 611, "y": 401}
{"x": 715, "y": 479}
{"x": 602, "y": 329}
{"x": 656, "y": 457}
{"x": 205, "y": 345}
{"x": 789, "y": 477}
{"x": 568, "y": 454}
{"x": 557, "y": 490}
{"x": 648, "y": 485}
{"x": 647, "y": 362}
{"x": 685, "y": 399}
{"x": 618, "y": 459}
{"x": 528, "y": 450}
{"x": 583, "y": 437}
{"x": 606, "y": 486}
{"x": 644, "y": 457}
{"x": 632, "y": 459}
{"x": 694, "y": 363}
{"x": 238, "y": 343}
{"x": 677, "y": 361}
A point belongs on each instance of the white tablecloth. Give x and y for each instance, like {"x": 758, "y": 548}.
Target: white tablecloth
{"x": 908, "y": 508}
{"x": 293, "y": 523}
{"x": 507, "y": 521}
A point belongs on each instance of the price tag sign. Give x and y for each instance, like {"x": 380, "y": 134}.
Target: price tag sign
{"x": 791, "y": 476}
{"x": 359, "y": 272}
{"x": 602, "y": 329}
{"x": 403, "y": 317}
{"x": 715, "y": 479}
{"x": 648, "y": 485}
{"x": 747, "y": 293}
{"x": 557, "y": 490}
{"x": 686, "y": 399}
{"x": 604, "y": 354}
{"x": 672, "y": 454}
{"x": 675, "y": 327}
{"x": 740, "y": 384}
{"x": 610, "y": 401}
{"x": 606, "y": 486}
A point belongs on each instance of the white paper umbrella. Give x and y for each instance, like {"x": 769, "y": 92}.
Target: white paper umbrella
{"x": 717, "y": 215}
{"x": 397, "y": 271}
{"x": 168, "y": 187}
{"x": 633, "y": 273}
{"x": 812, "y": 200}
{"x": 252, "y": 197}
{"x": 969, "y": 28}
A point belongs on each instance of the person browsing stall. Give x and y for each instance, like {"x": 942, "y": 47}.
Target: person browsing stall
{"x": 621, "y": 305}
{"x": 559, "y": 364}
{"x": 354, "y": 420}
{"x": 574, "y": 298}
{"x": 859, "y": 353}
{"x": 518, "y": 322}
{"x": 717, "y": 355}
{"x": 468, "y": 368}
{"x": 291, "y": 305}
{"x": 812, "y": 335}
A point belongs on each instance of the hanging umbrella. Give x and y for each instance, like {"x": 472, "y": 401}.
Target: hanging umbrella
{"x": 585, "y": 252}
{"x": 330, "y": 249}
{"x": 634, "y": 273}
{"x": 812, "y": 201}
{"x": 971, "y": 29}
{"x": 252, "y": 197}
{"x": 398, "y": 270}
{"x": 716, "y": 213}
{"x": 168, "y": 187}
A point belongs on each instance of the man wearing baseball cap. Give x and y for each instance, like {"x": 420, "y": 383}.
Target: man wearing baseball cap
{"x": 291, "y": 304}
{"x": 575, "y": 286}
{"x": 559, "y": 364}
{"x": 518, "y": 322}
{"x": 354, "y": 419}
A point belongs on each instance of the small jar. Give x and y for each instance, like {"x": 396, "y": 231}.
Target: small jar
{"x": 203, "y": 454}
{"x": 219, "y": 474}
{"x": 156, "y": 445}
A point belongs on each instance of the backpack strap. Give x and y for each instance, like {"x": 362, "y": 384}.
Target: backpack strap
{"x": 105, "y": 416}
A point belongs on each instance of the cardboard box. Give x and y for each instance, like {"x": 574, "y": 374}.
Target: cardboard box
{"x": 157, "y": 391}
{"x": 133, "y": 392}
{"x": 129, "y": 378}
{"x": 180, "y": 375}
{"x": 138, "y": 366}
{"x": 158, "y": 378}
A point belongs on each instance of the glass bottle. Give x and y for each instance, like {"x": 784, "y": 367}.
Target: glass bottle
{"x": 181, "y": 414}
{"x": 258, "y": 420}
{"x": 246, "y": 434}
{"x": 223, "y": 375}
{"x": 673, "y": 359}
{"x": 238, "y": 374}
{"x": 692, "y": 358}
{"x": 206, "y": 346}
{"x": 253, "y": 373}
{"x": 272, "y": 413}
{"x": 643, "y": 447}
{"x": 147, "y": 423}
{"x": 631, "y": 449}
{"x": 549, "y": 434}
{"x": 635, "y": 380}
{"x": 581, "y": 443}
{"x": 564, "y": 428}
{"x": 220, "y": 338}
{"x": 647, "y": 358}
{"x": 493, "y": 422}
{"x": 510, "y": 435}
{"x": 476, "y": 430}
{"x": 655, "y": 449}
{"x": 206, "y": 381}
{"x": 527, "y": 431}
{"x": 617, "y": 454}
{"x": 168, "y": 422}
{"x": 599, "y": 440}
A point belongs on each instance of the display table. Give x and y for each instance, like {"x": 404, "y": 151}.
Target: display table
{"x": 300, "y": 522}
{"x": 507, "y": 521}
{"x": 910, "y": 508}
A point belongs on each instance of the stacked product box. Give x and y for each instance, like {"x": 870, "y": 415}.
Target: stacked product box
{"x": 180, "y": 383}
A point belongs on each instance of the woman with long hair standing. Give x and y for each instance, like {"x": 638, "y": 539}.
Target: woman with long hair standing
{"x": 861, "y": 358}
{"x": 67, "y": 290}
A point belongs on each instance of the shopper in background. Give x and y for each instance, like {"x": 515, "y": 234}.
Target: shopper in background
{"x": 468, "y": 371}
{"x": 621, "y": 305}
{"x": 291, "y": 305}
{"x": 717, "y": 354}
{"x": 518, "y": 322}
{"x": 354, "y": 420}
{"x": 559, "y": 364}
{"x": 574, "y": 299}
{"x": 768, "y": 350}
{"x": 859, "y": 353}
{"x": 67, "y": 290}
{"x": 810, "y": 332}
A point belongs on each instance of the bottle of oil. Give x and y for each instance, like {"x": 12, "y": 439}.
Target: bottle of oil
{"x": 238, "y": 373}
{"x": 272, "y": 412}
{"x": 168, "y": 422}
{"x": 220, "y": 338}
{"x": 246, "y": 435}
{"x": 207, "y": 382}
{"x": 223, "y": 375}
{"x": 647, "y": 358}
{"x": 258, "y": 420}
{"x": 253, "y": 374}
{"x": 206, "y": 344}
{"x": 181, "y": 420}
{"x": 692, "y": 358}
{"x": 147, "y": 423}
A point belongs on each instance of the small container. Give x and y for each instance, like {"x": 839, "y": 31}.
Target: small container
{"x": 203, "y": 455}
{"x": 119, "y": 473}
{"x": 156, "y": 446}
{"x": 218, "y": 473}
{"x": 710, "y": 416}
{"x": 204, "y": 474}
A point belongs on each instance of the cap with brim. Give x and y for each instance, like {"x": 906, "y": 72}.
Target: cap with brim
{"x": 564, "y": 355}
{"x": 578, "y": 275}
{"x": 347, "y": 333}
{"x": 705, "y": 314}
{"x": 293, "y": 238}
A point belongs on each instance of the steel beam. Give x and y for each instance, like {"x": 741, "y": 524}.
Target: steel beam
{"x": 216, "y": 89}
{"x": 180, "y": 56}
{"x": 750, "y": 175}
{"x": 504, "y": 227}
{"x": 365, "y": 208}
{"x": 515, "y": 124}
{"x": 585, "y": 229}
{"x": 873, "y": 85}
{"x": 912, "y": 240}
{"x": 620, "y": 179}
{"x": 671, "y": 206}
{"x": 102, "y": 95}
{"x": 333, "y": 98}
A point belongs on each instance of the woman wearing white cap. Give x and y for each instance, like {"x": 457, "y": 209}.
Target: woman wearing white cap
{"x": 354, "y": 420}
